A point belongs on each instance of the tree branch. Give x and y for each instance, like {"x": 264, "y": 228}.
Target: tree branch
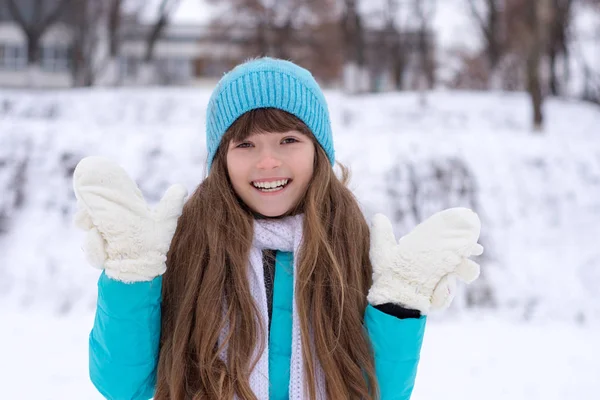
{"x": 166, "y": 8}
{"x": 54, "y": 15}
{"x": 475, "y": 13}
{"x": 37, "y": 13}
{"x": 479, "y": 18}
{"x": 16, "y": 14}
{"x": 114, "y": 25}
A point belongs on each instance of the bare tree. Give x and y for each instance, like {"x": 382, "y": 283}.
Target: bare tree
{"x": 534, "y": 86}
{"x": 115, "y": 14}
{"x": 35, "y": 17}
{"x": 534, "y": 22}
{"x": 591, "y": 91}
{"x": 306, "y": 31}
{"x": 82, "y": 16}
{"x": 290, "y": 19}
{"x": 109, "y": 71}
{"x": 591, "y": 69}
{"x": 161, "y": 16}
{"x": 395, "y": 33}
{"x": 354, "y": 47}
{"x": 527, "y": 22}
{"x": 165, "y": 10}
{"x": 250, "y": 22}
{"x": 325, "y": 57}
{"x": 272, "y": 28}
{"x": 424, "y": 11}
{"x": 558, "y": 48}
{"x": 96, "y": 40}
{"x": 489, "y": 20}
{"x": 352, "y": 26}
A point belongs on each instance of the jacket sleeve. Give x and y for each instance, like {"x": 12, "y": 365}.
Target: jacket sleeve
{"x": 124, "y": 342}
{"x": 397, "y": 348}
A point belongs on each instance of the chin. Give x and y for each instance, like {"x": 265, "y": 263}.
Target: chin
{"x": 270, "y": 213}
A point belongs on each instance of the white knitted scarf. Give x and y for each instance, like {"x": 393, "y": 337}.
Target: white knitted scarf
{"x": 283, "y": 234}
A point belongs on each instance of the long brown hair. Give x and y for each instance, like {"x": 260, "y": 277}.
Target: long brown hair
{"x": 206, "y": 289}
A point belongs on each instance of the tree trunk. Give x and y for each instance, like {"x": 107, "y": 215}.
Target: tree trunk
{"x": 114, "y": 25}
{"x": 534, "y": 53}
{"x": 153, "y": 38}
{"x": 33, "y": 47}
{"x": 262, "y": 39}
{"x": 494, "y": 39}
{"x": 398, "y": 68}
{"x": 491, "y": 28}
{"x": 560, "y": 17}
{"x": 34, "y": 29}
{"x": 354, "y": 49}
{"x": 535, "y": 91}
{"x": 283, "y": 39}
{"x": 148, "y": 71}
{"x": 166, "y": 7}
{"x": 394, "y": 44}
{"x": 553, "y": 84}
{"x": 426, "y": 76}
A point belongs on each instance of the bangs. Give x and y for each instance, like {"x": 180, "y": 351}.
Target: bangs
{"x": 264, "y": 120}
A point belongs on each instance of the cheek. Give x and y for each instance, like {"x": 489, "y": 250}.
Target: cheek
{"x": 234, "y": 170}
{"x": 306, "y": 166}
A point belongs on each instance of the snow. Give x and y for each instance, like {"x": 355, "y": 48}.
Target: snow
{"x": 538, "y": 195}
{"x": 44, "y": 357}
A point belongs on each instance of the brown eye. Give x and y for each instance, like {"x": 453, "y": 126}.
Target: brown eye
{"x": 244, "y": 145}
{"x": 289, "y": 140}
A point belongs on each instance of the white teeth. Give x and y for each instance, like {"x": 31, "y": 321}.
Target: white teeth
{"x": 270, "y": 185}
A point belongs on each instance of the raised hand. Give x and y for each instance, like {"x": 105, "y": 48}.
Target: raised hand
{"x": 124, "y": 236}
{"x": 420, "y": 270}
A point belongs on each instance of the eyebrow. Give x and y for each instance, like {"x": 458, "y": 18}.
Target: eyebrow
{"x": 266, "y": 133}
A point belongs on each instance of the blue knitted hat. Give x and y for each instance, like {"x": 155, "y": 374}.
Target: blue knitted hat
{"x": 262, "y": 83}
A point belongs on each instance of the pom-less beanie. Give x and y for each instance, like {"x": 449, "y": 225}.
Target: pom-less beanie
{"x": 267, "y": 83}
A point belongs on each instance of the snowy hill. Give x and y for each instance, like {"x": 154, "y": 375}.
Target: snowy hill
{"x": 538, "y": 194}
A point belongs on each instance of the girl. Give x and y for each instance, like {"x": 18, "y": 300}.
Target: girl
{"x": 267, "y": 283}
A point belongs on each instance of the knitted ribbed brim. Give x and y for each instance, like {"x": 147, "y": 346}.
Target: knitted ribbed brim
{"x": 262, "y": 83}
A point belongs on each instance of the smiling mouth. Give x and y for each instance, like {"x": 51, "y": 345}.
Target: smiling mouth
{"x": 272, "y": 186}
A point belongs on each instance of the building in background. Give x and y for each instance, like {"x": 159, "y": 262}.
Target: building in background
{"x": 189, "y": 54}
{"x": 183, "y": 55}
{"x": 55, "y": 55}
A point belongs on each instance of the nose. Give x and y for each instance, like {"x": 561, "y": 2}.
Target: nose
{"x": 268, "y": 160}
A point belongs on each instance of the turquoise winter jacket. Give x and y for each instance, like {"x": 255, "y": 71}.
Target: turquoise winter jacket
{"x": 124, "y": 341}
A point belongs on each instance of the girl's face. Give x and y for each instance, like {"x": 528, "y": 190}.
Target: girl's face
{"x": 270, "y": 172}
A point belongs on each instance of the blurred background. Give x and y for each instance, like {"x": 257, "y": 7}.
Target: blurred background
{"x": 487, "y": 104}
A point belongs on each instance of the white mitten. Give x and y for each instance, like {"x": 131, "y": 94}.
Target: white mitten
{"x": 124, "y": 236}
{"x": 420, "y": 271}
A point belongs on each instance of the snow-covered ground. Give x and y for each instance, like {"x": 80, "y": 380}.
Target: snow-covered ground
{"x": 538, "y": 196}
{"x": 45, "y": 358}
